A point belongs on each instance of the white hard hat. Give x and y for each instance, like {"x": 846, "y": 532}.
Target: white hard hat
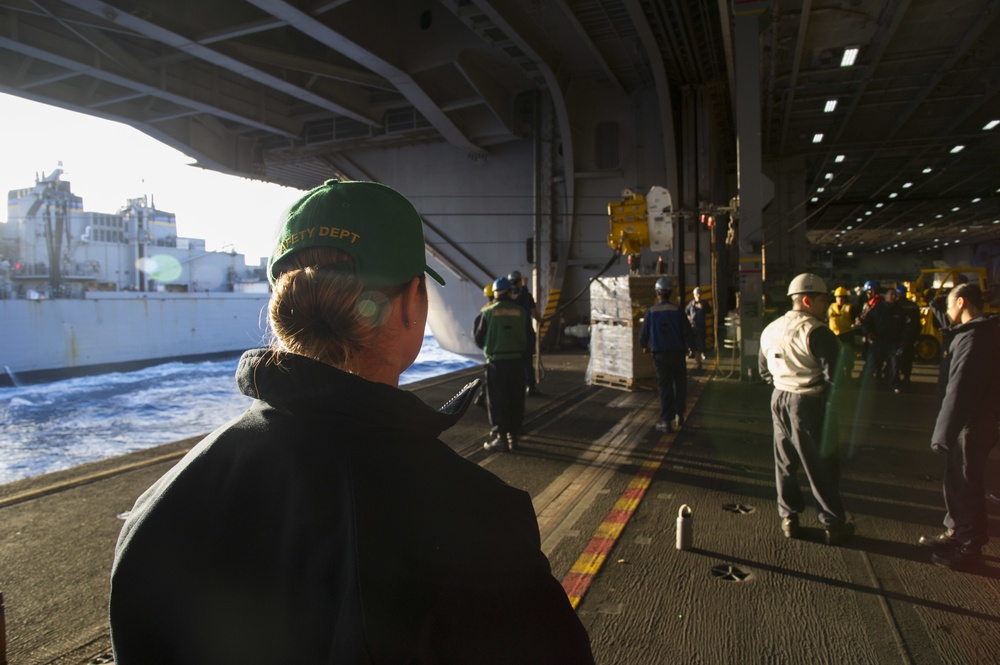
{"x": 806, "y": 283}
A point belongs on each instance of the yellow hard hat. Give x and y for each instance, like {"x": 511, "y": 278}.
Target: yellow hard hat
{"x": 841, "y": 291}
{"x": 488, "y": 290}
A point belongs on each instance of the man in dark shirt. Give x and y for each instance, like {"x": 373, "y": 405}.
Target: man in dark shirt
{"x": 966, "y": 427}
{"x": 666, "y": 331}
{"x": 522, "y": 296}
{"x": 883, "y": 327}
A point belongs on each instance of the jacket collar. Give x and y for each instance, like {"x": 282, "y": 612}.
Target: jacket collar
{"x": 306, "y": 387}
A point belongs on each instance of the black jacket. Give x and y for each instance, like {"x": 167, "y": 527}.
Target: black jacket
{"x": 885, "y": 323}
{"x": 328, "y": 524}
{"x": 969, "y": 385}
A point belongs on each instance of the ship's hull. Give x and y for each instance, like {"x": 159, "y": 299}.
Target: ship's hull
{"x": 45, "y": 340}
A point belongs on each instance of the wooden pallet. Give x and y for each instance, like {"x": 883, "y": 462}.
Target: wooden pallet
{"x": 622, "y": 382}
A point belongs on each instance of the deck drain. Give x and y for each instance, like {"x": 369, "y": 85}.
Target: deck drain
{"x": 738, "y": 508}
{"x": 730, "y": 573}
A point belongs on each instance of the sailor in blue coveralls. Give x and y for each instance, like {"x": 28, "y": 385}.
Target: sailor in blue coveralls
{"x": 799, "y": 356}
{"x": 666, "y": 331}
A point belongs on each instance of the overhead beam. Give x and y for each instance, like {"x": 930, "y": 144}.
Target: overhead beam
{"x": 402, "y": 80}
{"x": 187, "y": 45}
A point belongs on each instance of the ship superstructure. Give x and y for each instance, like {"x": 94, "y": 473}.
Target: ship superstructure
{"x": 84, "y": 292}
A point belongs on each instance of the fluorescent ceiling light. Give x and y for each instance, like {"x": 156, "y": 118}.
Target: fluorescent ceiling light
{"x": 815, "y": 199}
{"x": 990, "y": 125}
{"x": 879, "y": 205}
{"x": 927, "y": 170}
{"x": 850, "y": 55}
{"x": 976, "y": 200}
{"x": 956, "y": 149}
{"x": 820, "y": 190}
{"x": 839, "y": 159}
{"x": 831, "y": 104}
{"x": 893, "y": 195}
{"x": 817, "y": 138}
{"x": 907, "y": 185}
{"x": 829, "y": 176}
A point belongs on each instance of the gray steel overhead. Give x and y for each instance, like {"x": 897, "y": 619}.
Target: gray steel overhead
{"x": 281, "y": 90}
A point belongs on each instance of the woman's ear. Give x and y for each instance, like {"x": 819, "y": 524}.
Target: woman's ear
{"x": 408, "y": 302}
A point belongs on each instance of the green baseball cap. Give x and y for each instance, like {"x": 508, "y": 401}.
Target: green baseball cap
{"x": 372, "y": 223}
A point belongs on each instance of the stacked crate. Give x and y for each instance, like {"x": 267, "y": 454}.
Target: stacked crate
{"x": 617, "y": 306}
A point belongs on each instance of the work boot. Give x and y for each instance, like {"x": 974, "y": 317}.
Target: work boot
{"x": 837, "y": 534}
{"x": 962, "y": 557}
{"x": 511, "y": 442}
{"x": 942, "y": 541}
{"x": 790, "y": 526}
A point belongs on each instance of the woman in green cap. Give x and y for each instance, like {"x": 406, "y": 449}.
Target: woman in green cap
{"x": 328, "y": 523}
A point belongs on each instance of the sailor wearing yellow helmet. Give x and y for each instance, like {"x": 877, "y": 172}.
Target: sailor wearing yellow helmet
{"x": 840, "y": 317}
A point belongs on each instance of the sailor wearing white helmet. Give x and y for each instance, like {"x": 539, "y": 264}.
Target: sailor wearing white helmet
{"x": 666, "y": 332}
{"x": 799, "y": 356}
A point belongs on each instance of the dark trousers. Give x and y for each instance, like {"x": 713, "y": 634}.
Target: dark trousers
{"x": 801, "y": 436}
{"x": 846, "y": 355}
{"x": 671, "y": 383}
{"x": 505, "y": 395}
{"x": 881, "y": 362}
{"x": 964, "y": 487}
{"x": 905, "y": 364}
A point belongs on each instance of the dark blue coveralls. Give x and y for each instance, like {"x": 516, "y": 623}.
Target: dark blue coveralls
{"x": 665, "y": 332}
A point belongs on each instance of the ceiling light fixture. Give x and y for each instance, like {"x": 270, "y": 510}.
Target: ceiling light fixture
{"x": 829, "y": 176}
{"x": 991, "y": 124}
{"x": 976, "y": 200}
{"x": 955, "y": 150}
{"x": 839, "y": 158}
{"x": 831, "y": 104}
{"x": 955, "y": 209}
{"x": 814, "y": 199}
{"x": 907, "y": 185}
{"x": 893, "y": 195}
{"x": 927, "y": 170}
{"x": 850, "y": 55}
{"x": 819, "y": 137}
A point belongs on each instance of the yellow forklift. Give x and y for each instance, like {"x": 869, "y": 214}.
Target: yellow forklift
{"x": 932, "y": 283}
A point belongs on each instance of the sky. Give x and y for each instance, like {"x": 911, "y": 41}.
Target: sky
{"x": 108, "y": 162}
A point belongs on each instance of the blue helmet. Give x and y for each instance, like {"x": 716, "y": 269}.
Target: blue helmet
{"x": 501, "y": 284}
{"x": 900, "y": 290}
{"x": 871, "y": 285}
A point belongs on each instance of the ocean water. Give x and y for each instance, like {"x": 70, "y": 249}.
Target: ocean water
{"x": 53, "y": 426}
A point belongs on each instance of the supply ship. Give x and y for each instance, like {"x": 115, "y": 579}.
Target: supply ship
{"x": 88, "y": 292}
